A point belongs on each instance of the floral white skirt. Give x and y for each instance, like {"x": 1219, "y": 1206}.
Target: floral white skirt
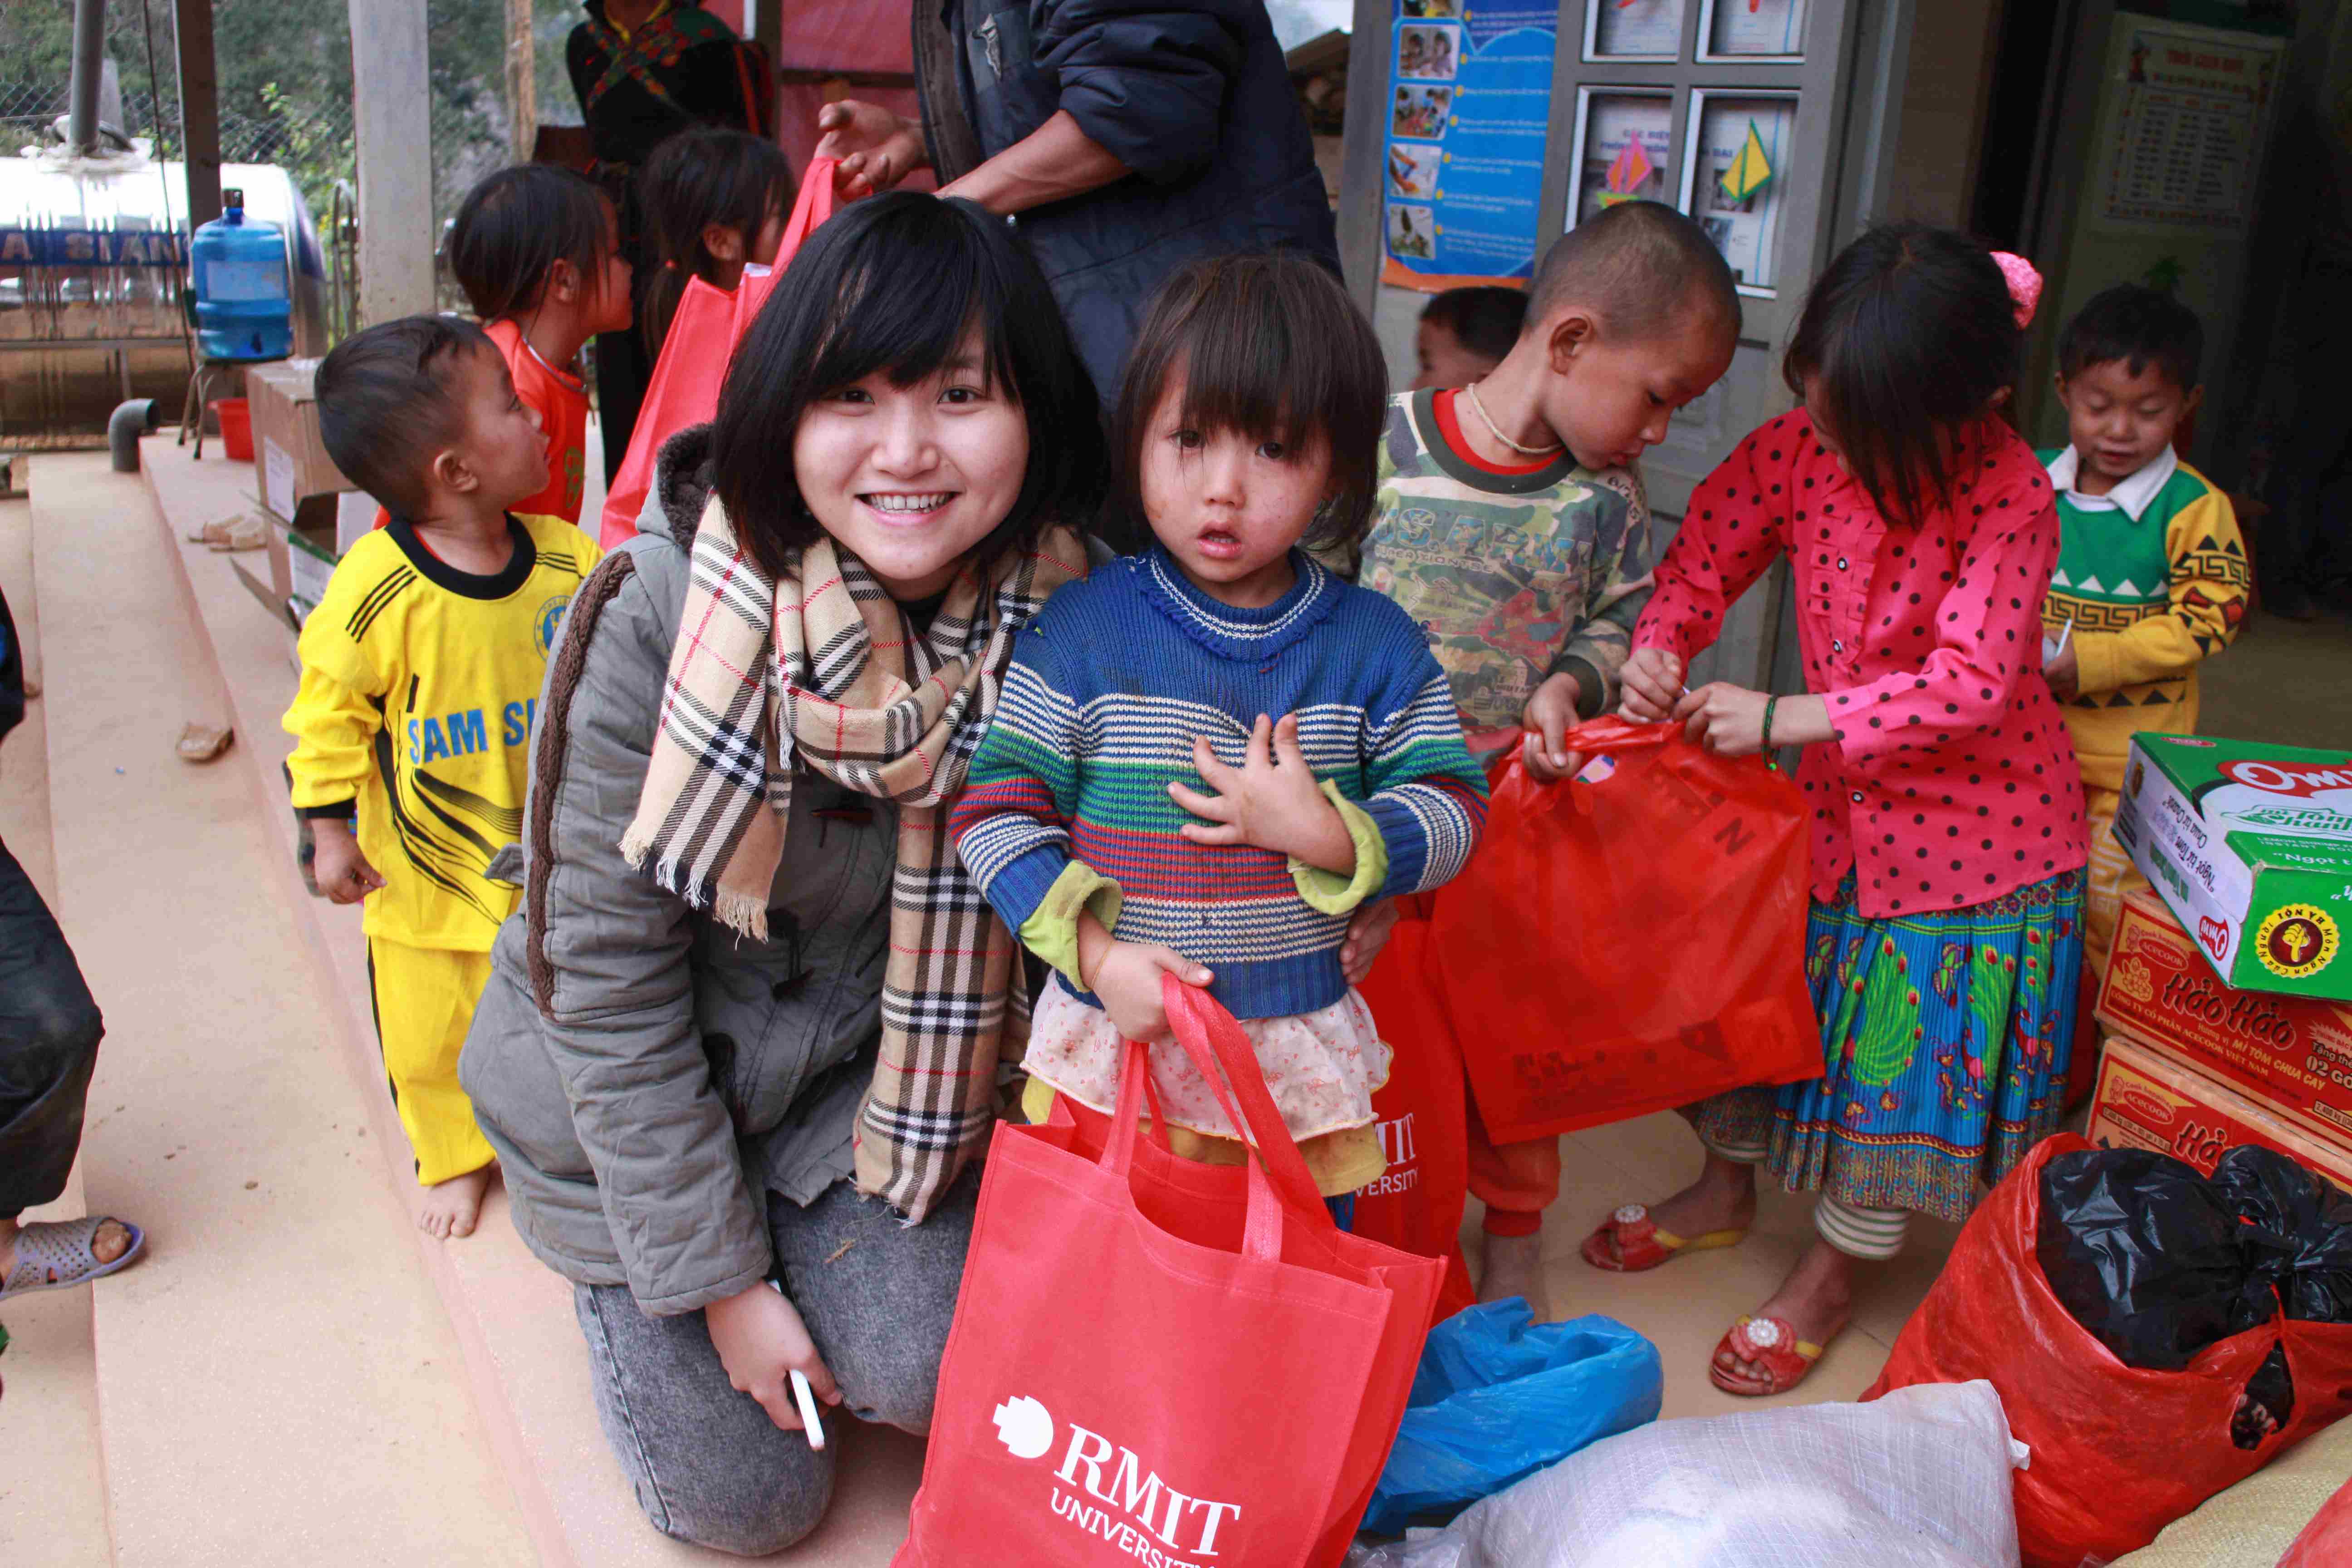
{"x": 1322, "y": 1069}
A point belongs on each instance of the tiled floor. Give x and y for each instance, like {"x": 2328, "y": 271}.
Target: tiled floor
{"x": 1686, "y": 1306}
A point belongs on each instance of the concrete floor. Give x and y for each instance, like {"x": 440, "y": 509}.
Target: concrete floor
{"x": 290, "y": 1379}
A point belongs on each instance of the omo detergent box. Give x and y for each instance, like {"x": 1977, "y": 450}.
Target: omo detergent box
{"x": 2250, "y": 846}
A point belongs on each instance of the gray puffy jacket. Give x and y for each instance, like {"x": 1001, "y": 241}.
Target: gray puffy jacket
{"x": 647, "y": 1077}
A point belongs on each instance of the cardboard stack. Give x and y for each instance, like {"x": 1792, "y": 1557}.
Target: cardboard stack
{"x": 2228, "y": 1015}
{"x": 314, "y": 513}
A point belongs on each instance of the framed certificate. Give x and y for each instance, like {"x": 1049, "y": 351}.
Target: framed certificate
{"x": 1649, "y": 30}
{"x": 1623, "y": 150}
{"x": 1751, "y": 31}
{"x": 1736, "y": 177}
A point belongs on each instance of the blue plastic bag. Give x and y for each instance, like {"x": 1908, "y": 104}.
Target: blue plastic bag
{"x": 1496, "y": 1399}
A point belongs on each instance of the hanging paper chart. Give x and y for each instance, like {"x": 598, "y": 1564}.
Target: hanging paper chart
{"x": 1469, "y": 110}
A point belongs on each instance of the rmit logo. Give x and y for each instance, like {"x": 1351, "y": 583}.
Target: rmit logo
{"x": 1190, "y": 1524}
{"x": 2290, "y": 778}
{"x": 1024, "y": 1428}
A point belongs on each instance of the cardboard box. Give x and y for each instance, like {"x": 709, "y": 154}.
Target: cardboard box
{"x": 2290, "y": 1054}
{"x": 2146, "y": 1100}
{"x": 2252, "y": 847}
{"x": 303, "y": 554}
{"x": 290, "y": 461}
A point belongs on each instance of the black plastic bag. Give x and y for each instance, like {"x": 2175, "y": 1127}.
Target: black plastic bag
{"x": 2143, "y": 1251}
{"x": 2297, "y": 1235}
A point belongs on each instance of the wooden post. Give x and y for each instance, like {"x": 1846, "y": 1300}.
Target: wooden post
{"x": 522, "y": 80}
{"x": 390, "y": 111}
{"x": 199, "y": 109}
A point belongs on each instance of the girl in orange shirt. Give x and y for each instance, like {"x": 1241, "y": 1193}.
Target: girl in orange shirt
{"x": 537, "y": 249}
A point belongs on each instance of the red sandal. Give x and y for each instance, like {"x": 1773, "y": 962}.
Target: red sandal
{"x": 1767, "y": 1342}
{"x": 1630, "y": 1242}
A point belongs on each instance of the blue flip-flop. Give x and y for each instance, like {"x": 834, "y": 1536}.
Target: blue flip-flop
{"x": 56, "y": 1256}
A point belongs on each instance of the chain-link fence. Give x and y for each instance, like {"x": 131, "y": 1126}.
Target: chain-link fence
{"x": 284, "y": 92}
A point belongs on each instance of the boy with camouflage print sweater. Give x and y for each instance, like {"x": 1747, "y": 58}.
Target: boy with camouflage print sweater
{"x": 1511, "y": 525}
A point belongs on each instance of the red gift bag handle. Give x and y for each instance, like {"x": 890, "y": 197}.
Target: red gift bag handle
{"x": 815, "y": 205}
{"x": 1278, "y": 1177}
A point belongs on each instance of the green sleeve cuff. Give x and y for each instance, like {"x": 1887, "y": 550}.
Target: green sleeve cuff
{"x": 1051, "y": 932}
{"x": 1329, "y": 892}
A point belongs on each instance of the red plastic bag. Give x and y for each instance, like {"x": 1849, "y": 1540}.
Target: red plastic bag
{"x": 1155, "y": 1360}
{"x": 1630, "y": 945}
{"x": 703, "y": 331}
{"x": 1425, "y": 1131}
{"x": 2119, "y": 1452}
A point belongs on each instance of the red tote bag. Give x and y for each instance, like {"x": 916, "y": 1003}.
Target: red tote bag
{"x": 1156, "y": 1360}
{"x": 1417, "y": 1203}
{"x": 1630, "y": 945}
{"x": 2119, "y": 1452}
{"x": 703, "y": 332}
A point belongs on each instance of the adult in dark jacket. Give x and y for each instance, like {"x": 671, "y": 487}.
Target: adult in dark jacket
{"x": 1130, "y": 136}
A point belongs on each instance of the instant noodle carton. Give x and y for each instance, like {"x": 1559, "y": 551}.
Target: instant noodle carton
{"x": 2252, "y": 847}
{"x": 2148, "y": 1100}
{"x": 2291, "y": 1055}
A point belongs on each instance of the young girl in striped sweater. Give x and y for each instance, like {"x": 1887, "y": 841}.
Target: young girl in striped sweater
{"x": 1208, "y": 755}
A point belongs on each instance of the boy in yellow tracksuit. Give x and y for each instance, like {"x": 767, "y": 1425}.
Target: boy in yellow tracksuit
{"x": 421, "y": 672}
{"x": 2151, "y": 572}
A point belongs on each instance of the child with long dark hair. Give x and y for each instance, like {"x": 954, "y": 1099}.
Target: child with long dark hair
{"x": 537, "y": 249}
{"x": 1211, "y": 754}
{"x": 715, "y": 202}
{"x": 1947, "y": 832}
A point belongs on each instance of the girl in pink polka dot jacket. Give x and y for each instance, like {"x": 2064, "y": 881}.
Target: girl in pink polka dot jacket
{"x": 1947, "y": 832}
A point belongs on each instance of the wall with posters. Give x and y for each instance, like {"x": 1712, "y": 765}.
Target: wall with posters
{"x": 2167, "y": 195}
{"x": 1468, "y": 108}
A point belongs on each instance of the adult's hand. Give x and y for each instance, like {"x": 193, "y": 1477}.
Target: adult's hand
{"x": 876, "y": 147}
{"x": 762, "y": 1340}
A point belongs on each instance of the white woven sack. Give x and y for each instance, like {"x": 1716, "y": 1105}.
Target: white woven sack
{"x": 1917, "y": 1480}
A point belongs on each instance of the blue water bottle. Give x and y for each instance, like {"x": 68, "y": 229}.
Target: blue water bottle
{"x": 244, "y": 311}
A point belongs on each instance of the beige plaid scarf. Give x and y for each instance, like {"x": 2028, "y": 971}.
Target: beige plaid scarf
{"x": 825, "y": 671}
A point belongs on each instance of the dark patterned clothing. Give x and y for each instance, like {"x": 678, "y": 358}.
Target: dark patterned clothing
{"x": 1945, "y": 1038}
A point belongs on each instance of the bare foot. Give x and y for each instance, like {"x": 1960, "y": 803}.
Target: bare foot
{"x": 113, "y": 1239}
{"x": 1816, "y": 1299}
{"x": 453, "y": 1207}
{"x": 1723, "y": 1198}
{"x": 1512, "y": 1265}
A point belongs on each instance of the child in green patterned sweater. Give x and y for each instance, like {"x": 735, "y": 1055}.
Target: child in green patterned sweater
{"x": 1511, "y": 524}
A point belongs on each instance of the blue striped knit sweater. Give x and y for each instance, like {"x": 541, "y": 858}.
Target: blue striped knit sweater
{"x": 1107, "y": 690}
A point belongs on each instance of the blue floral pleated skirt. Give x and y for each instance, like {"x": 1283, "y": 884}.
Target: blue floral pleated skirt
{"x": 1945, "y": 1040}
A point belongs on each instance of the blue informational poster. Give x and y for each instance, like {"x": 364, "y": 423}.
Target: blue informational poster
{"x": 1469, "y": 108}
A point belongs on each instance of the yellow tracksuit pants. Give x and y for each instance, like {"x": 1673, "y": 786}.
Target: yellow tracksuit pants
{"x": 424, "y": 1000}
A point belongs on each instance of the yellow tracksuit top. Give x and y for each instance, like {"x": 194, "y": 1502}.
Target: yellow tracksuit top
{"x": 2154, "y": 577}
{"x": 419, "y": 686}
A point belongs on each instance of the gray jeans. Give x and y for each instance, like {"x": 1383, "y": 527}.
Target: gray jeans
{"x": 709, "y": 1466}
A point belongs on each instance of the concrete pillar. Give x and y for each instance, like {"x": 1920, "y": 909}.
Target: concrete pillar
{"x": 390, "y": 111}
{"x": 1363, "y": 152}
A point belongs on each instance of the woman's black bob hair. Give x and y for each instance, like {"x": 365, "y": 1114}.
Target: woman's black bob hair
{"x": 1267, "y": 345}
{"x": 1910, "y": 332}
{"x": 892, "y": 284}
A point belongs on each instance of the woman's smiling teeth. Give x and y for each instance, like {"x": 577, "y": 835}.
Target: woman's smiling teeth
{"x": 898, "y": 505}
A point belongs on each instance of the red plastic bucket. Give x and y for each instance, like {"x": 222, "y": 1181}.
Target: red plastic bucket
{"x": 236, "y": 427}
